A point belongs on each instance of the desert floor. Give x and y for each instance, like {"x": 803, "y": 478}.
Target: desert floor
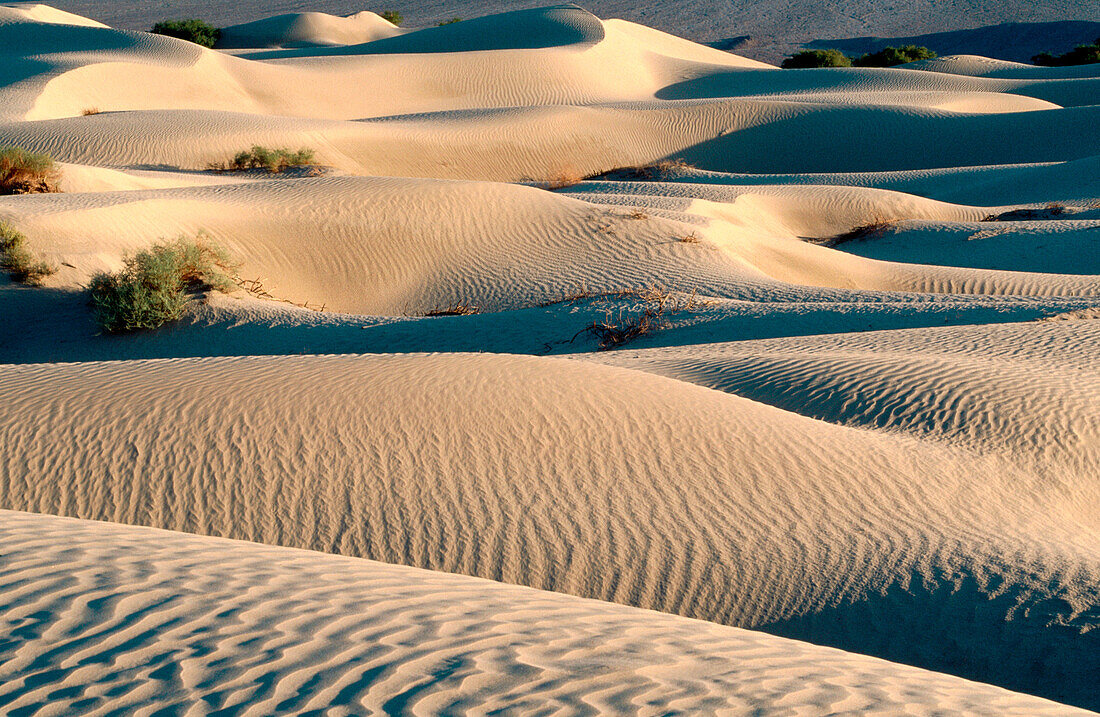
{"x": 851, "y": 465}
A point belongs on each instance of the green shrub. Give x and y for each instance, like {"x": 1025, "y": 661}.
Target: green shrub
{"x": 391, "y": 16}
{"x": 1080, "y": 55}
{"x": 17, "y": 260}
{"x": 891, "y": 56}
{"x": 195, "y": 31}
{"x": 23, "y": 172}
{"x": 273, "y": 160}
{"x": 816, "y": 58}
{"x": 155, "y": 285}
{"x": 452, "y": 21}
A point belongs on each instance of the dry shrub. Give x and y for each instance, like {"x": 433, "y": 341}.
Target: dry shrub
{"x": 1050, "y": 211}
{"x": 658, "y": 304}
{"x": 638, "y": 214}
{"x": 873, "y": 230}
{"x": 88, "y": 111}
{"x": 654, "y": 172}
{"x": 461, "y": 308}
{"x": 692, "y": 238}
{"x": 23, "y": 172}
{"x": 17, "y": 260}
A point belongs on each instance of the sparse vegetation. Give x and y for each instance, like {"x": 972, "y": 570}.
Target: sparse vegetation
{"x": 88, "y": 111}
{"x": 873, "y": 230}
{"x": 23, "y": 172}
{"x": 886, "y": 57}
{"x": 155, "y": 286}
{"x": 461, "y": 308}
{"x": 891, "y": 56}
{"x": 192, "y": 30}
{"x": 392, "y": 16}
{"x": 452, "y": 21}
{"x": 1080, "y": 55}
{"x": 1053, "y": 210}
{"x": 638, "y": 214}
{"x": 272, "y": 160}
{"x": 658, "y": 303}
{"x": 816, "y": 58}
{"x": 17, "y": 260}
{"x": 659, "y": 171}
{"x": 692, "y": 238}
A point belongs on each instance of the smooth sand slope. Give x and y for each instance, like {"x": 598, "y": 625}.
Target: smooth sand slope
{"x": 847, "y": 427}
{"x": 145, "y": 620}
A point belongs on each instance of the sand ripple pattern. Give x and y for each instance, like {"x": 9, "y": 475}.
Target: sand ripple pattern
{"x": 108, "y": 619}
{"x": 591, "y": 480}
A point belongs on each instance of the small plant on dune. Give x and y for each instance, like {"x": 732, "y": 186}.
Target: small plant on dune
{"x": 462, "y": 308}
{"x": 1080, "y": 55}
{"x": 658, "y": 305}
{"x": 272, "y": 160}
{"x": 155, "y": 286}
{"x": 196, "y": 31}
{"x": 392, "y": 16}
{"x": 452, "y": 21}
{"x": 88, "y": 111}
{"x": 692, "y": 238}
{"x": 17, "y": 260}
{"x": 638, "y": 214}
{"x": 659, "y": 171}
{"x": 1050, "y": 211}
{"x": 816, "y": 58}
{"x": 23, "y": 172}
{"x": 872, "y": 230}
{"x": 891, "y": 56}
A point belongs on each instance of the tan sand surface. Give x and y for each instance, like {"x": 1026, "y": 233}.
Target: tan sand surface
{"x": 867, "y": 415}
{"x": 146, "y": 620}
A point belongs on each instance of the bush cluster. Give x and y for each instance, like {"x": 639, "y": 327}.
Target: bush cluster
{"x": 272, "y": 160}
{"x": 23, "y": 172}
{"x": 886, "y": 57}
{"x": 17, "y": 260}
{"x": 1080, "y": 55}
{"x": 816, "y": 58}
{"x": 155, "y": 285}
{"x": 391, "y": 16}
{"x": 192, "y": 30}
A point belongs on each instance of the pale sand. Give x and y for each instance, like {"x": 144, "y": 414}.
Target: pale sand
{"x": 145, "y": 620}
{"x": 924, "y": 492}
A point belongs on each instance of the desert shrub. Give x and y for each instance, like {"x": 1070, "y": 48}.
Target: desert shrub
{"x": 816, "y": 58}
{"x": 23, "y": 172}
{"x": 1080, "y": 55}
{"x": 88, "y": 111}
{"x": 17, "y": 260}
{"x": 192, "y": 30}
{"x": 1054, "y": 210}
{"x": 391, "y": 16}
{"x": 873, "y": 230}
{"x": 452, "y": 21}
{"x": 155, "y": 285}
{"x": 891, "y": 56}
{"x": 273, "y": 160}
{"x": 659, "y": 171}
{"x": 462, "y": 308}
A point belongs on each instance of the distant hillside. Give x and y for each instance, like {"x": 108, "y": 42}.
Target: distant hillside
{"x": 762, "y": 29}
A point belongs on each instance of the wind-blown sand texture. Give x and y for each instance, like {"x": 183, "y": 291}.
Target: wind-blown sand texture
{"x": 885, "y": 441}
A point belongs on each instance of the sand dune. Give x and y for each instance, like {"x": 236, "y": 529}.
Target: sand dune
{"x": 769, "y": 520}
{"x": 256, "y": 630}
{"x": 846, "y": 425}
{"x": 307, "y": 29}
